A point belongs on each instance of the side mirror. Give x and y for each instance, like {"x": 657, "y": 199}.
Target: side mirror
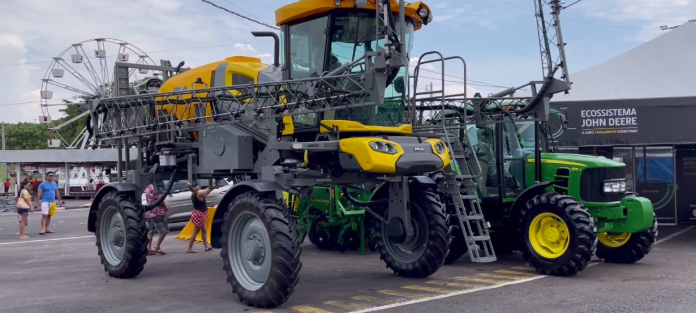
{"x": 564, "y": 120}
{"x": 399, "y": 85}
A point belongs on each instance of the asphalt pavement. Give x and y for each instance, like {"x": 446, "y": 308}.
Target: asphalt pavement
{"x": 60, "y": 272}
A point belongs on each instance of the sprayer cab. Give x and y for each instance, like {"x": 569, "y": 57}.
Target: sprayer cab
{"x": 325, "y": 37}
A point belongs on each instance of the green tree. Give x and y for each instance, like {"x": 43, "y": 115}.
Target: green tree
{"x": 27, "y": 136}
{"x": 70, "y": 131}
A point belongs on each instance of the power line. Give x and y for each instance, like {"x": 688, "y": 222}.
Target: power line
{"x": 579, "y": 21}
{"x": 238, "y": 7}
{"x": 592, "y": 57}
{"x": 242, "y": 16}
{"x": 570, "y": 5}
{"x": 150, "y": 52}
{"x": 31, "y": 102}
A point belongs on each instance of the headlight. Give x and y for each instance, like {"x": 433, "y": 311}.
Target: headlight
{"x": 614, "y": 186}
{"x": 440, "y": 147}
{"x": 383, "y": 147}
{"x": 423, "y": 12}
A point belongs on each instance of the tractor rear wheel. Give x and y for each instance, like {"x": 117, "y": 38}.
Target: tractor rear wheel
{"x": 626, "y": 248}
{"x": 426, "y": 251}
{"x": 260, "y": 249}
{"x": 121, "y": 235}
{"x": 557, "y": 233}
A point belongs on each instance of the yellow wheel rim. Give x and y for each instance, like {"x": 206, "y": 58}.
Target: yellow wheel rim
{"x": 614, "y": 240}
{"x": 549, "y": 235}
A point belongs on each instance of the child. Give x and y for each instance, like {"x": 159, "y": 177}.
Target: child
{"x": 156, "y": 221}
{"x": 199, "y": 215}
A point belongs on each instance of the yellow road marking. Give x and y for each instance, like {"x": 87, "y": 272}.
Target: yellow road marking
{"x": 506, "y": 277}
{"x": 307, "y": 309}
{"x": 347, "y": 306}
{"x": 482, "y": 280}
{"x": 451, "y": 284}
{"x": 402, "y": 294}
{"x": 523, "y": 269}
{"x": 515, "y": 273}
{"x": 429, "y": 289}
{"x": 373, "y": 299}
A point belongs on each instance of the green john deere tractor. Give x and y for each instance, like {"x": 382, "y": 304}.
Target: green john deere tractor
{"x": 557, "y": 212}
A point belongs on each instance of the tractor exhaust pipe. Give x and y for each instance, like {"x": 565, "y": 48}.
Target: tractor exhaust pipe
{"x": 276, "y": 48}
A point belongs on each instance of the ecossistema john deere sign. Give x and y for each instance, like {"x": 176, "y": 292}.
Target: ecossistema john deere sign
{"x": 609, "y": 121}
{"x": 625, "y": 122}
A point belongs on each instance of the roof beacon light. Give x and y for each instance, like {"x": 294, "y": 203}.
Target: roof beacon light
{"x": 361, "y": 3}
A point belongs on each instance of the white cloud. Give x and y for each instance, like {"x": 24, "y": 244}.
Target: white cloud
{"x": 15, "y": 83}
{"x": 166, "y": 29}
{"x": 244, "y": 46}
{"x": 264, "y": 55}
{"x": 651, "y": 14}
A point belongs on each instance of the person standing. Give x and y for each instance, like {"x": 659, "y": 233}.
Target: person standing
{"x": 156, "y": 221}
{"x": 6, "y": 187}
{"x": 46, "y": 199}
{"x": 23, "y": 209}
{"x": 199, "y": 215}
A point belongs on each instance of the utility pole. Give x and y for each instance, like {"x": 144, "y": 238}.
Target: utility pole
{"x": 4, "y": 166}
{"x": 550, "y": 36}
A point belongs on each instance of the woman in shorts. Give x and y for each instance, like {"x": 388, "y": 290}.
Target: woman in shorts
{"x": 199, "y": 215}
{"x": 23, "y": 208}
{"x": 156, "y": 221}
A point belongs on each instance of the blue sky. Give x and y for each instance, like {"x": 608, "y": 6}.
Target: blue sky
{"x": 497, "y": 38}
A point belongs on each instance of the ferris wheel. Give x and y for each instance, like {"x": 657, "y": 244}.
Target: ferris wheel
{"x": 82, "y": 72}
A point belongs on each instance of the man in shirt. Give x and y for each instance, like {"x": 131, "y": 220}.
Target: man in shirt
{"x": 46, "y": 199}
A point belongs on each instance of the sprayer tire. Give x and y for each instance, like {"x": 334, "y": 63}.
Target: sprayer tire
{"x": 283, "y": 244}
{"x": 127, "y": 235}
{"x": 426, "y": 211}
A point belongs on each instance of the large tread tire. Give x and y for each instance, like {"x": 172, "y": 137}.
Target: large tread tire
{"x": 635, "y": 249}
{"x": 286, "y": 250}
{"x": 583, "y": 234}
{"x": 135, "y": 241}
{"x": 437, "y": 243}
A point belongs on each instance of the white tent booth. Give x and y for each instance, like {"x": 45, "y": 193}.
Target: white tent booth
{"x": 639, "y": 108}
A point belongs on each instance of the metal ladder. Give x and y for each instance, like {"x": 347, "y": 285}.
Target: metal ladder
{"x": 460, "y": 186}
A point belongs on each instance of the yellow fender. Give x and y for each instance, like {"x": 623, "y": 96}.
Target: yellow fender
{"x": 186, "y": 233}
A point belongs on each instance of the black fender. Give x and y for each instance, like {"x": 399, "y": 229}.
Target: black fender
{"x": 521, "y": 201}
{"x": 414, "y": 182}
{"x": 115, "y": 186}
{"x": 236, "y": 190}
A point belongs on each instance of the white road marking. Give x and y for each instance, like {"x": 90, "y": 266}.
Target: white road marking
{"x": 457, "y": 293}
{"x": 42, "y": 240}
{"x": 675, "y": 234}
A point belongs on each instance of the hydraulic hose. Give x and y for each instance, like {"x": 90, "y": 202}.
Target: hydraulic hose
{"x": 548, "y": 80}
{"x": 166, "y": 192}
{"x": 365, "y": 205}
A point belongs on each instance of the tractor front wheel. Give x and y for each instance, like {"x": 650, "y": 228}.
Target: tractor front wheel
{"x": 557, "y": 233}
{"x": 422, "y": 255}
{"x": 260, "y": 249}
{"x": 626, "y": 248}
{"x": 121, "y": 235}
